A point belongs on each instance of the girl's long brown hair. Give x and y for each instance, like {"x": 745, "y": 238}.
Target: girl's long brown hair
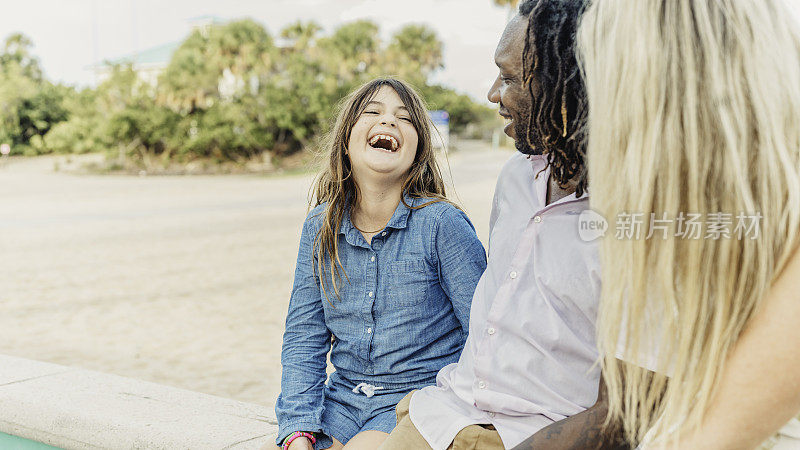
{"x": 336, "y": 188}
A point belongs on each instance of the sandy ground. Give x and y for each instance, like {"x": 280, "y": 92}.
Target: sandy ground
{"x": 178, "y": 280}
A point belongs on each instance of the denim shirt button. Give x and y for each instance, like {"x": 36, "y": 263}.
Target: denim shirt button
{"x": 372, "y": 258}
{"x": 371, "y": 294}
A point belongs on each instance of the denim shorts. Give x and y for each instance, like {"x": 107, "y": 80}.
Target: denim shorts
{"x": 348, "y": 409}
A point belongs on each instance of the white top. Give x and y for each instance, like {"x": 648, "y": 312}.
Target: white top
{"x": 530, "y": 356}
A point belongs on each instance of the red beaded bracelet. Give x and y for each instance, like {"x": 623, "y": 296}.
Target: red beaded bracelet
{"x": 295, "y": 435}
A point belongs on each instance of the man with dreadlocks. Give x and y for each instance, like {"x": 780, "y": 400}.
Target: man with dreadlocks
{"x": 527, "y": 376}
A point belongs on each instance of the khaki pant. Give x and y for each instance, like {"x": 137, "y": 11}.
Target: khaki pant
{"x": 405, "y": 436}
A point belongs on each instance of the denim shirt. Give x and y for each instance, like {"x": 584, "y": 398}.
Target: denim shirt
{"x": 403, "y": 315}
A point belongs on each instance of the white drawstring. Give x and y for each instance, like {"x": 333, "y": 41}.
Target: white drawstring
{"x": 367, "y": 389}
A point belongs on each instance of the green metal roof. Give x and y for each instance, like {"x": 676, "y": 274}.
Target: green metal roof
{"x": 155, "y": 55}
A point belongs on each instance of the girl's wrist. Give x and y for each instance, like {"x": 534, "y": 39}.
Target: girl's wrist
{"x": 298, "y": 435}
{"x": 301, "y": 443}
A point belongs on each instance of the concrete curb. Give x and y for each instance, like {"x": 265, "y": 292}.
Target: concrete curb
{"x": 81, "y": 409}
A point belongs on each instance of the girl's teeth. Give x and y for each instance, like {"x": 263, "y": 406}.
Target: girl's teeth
{"x": 391, "y": 139}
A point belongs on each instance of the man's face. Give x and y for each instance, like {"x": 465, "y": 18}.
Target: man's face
{"x": 509, "y": 90}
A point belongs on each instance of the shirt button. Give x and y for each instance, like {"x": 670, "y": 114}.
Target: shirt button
{"x": 490, "y": 331}
{"x": 491, "y": 414}
{"x": 481, "y": 385}
{"x": 383, "y": 233}
{"x": 513, "y": 275}
{"x": 371, "y": 293}
{"x": 537, "y": 219}
{"x": 369, "y": 330}
{"x": 372, "y": 259}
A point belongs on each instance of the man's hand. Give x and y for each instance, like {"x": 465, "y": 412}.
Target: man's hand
{"x": 583, "y": 431}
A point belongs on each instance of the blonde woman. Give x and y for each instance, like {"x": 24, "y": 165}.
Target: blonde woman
{"x": 695, "y": 119}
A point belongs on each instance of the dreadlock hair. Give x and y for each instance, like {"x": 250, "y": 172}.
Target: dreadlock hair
{"x": 551, "y": 74}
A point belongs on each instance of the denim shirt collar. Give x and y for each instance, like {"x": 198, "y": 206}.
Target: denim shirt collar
{"x": 398, "y": 221}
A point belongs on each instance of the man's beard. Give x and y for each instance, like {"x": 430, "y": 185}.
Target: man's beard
{"x": 532, "y": 147}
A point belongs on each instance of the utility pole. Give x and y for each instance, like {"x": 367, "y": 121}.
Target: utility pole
{"x": 95, "y": 43}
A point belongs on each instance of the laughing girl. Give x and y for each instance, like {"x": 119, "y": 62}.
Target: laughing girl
{"x": 384, "y": 281}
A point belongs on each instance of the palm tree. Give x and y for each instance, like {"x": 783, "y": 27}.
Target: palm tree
{"x": 420, "y": 45}
{"x": 301, "y": 33}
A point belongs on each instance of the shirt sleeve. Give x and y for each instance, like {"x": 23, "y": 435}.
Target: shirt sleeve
{"x": 462, "y": 261}
{"x": 648, "y": 354}
{"x": 306, "y": 342}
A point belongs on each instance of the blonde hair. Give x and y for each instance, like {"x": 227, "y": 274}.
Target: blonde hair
{"x": 694, "y": 107}
{"x": 336, "y": 187}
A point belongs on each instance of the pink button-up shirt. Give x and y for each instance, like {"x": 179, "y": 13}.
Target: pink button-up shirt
{"x": 529, "y": 358}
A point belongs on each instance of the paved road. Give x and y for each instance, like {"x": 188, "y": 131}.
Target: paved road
{"x": 179, "y": 280}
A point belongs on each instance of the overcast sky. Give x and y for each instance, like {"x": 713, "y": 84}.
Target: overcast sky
{"x": 71, "y": 35}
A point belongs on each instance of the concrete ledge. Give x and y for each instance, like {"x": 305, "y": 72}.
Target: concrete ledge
{"x": 81, "y": 409}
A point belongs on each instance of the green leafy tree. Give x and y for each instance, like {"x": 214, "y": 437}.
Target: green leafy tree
{"x": 82, "y": 132}
{"x": 354, "y": 42}
{"x": 243, "y": 47}
{"x": 15, "y": 90}
{"x": 349, "y": 52}
{"x": 29, "y": 105}
{"x": 461, "y": 108}
{"x": 414, "y": 53}
{"x": 191, "y": 81}
{"x": 298, "y": 102}
{"x": 91, "y": 124}
{"x": 213, "y": 82}
{"x": 40, "y": 112}
{"x": 228, "y": 94}
{"x": 224, "y": 132}
{"x": 302, "y": 34}
{"x": 17, "y": 54}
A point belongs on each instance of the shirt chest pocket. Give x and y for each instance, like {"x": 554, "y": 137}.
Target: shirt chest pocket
{"x": 409, "y": 282}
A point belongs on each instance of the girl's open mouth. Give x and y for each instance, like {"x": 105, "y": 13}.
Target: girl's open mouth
{"x": 384, "y": 142}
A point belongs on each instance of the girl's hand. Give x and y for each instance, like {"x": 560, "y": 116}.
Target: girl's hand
{"x": 301, "y": 443}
